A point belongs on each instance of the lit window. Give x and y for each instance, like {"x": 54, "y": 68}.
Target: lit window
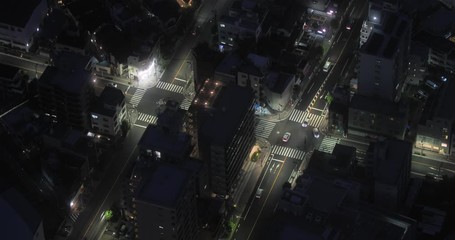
{"x": 222, "y": 25}
{"x": 157, "y": 154}
{"x": 443, "y": 144}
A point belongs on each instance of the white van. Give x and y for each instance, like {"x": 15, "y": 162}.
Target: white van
{"x": 327, "y": 66}
{"x": 259, "y": 192}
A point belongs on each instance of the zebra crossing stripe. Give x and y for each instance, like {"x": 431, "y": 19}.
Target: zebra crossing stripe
{"x": 186, "y": 103}
{"x": 74, "y": 216}
{"x": 288, "y": 152}
{"x": 313, "y": 119}
{"x": 147, "y": 118}
{"x": 169, "y": 87}
{"x": 138, "y": 94}
{"x": 264, "y": 128}
{"x": 328, "y": 144}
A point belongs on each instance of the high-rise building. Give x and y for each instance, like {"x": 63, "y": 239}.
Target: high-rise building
{"x": 391, "y": 167}
{"x": 66, "y": 95}
{"x": 383, "y": 58}
{"x": 221, "y": 123}
{"x": 165, "y": 204}
{"x": 20, "y": 22}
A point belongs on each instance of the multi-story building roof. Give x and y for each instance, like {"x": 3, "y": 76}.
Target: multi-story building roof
{"x": 19, "y": 219}
{"x": 243, "y": 21}
{"x": 383, "y": 58}
{"x": 20, "y": 21}
{"x": 66, "y": 95}
{"x": 109, "y": 112}
{"x": 221, "y": 123}
{"x": 165, "y": 204}
{"x": 161, "y": 144}
{"x": 374, "y": 117}
{"x": 391, "y": 162}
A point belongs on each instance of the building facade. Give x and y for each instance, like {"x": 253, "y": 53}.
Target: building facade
{"x": 109, "y": 113}
{"x": 21, "y": 21}
{"x": 165, "y": 204}
{"x": 66, "y": 95}
{"x": 221, "y": 122}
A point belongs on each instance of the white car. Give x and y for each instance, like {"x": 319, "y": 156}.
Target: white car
{"x": 259, "y": 192}
{"x": 316, "y": 132}
{"x": 286, "y": 137}
{"x": 305, "y": 123}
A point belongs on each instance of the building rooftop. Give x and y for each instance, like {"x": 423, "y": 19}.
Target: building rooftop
{"x": 172, "y": 144}
{"x": 17, "y": 12}
{"x": 377, "y": 224}
{"x": 68, "y": 80}
{"x": 7, "y": 71}
{"x": 223, "y": 119}
{"x": 163, "y": 185}
{"x": 378, "y": 106}
{"x": 390, "y": 159}
{"x": 278, "y": 82}
{"x": 66, "y": 60}
{"x": 110, "y": 98}
{"x": 384, "y": 39}
{"x": 19, "y": 220}
{"x": 229, "y": 65}
{"x": 324, "y": 196}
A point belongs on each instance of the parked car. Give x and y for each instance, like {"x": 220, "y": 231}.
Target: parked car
{"x": 286, "y": 136}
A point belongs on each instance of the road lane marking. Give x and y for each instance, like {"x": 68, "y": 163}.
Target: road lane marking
{"x": 110, "y": 190}
{"x": 266, "y": 198}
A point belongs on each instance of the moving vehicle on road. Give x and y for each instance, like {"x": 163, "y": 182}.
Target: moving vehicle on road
{"x": 316, "y": 132}
{"x": 259, "y": 192}
{"x": 305, "y": 123}
{"x": 327, "y": 66}
{"x": 286, "y": 136}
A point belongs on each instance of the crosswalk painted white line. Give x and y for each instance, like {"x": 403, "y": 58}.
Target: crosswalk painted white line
{"x": 74, "y": 216}
{"x": 170, "y": 87}
{"x": 138, "y": 94}
{"x": 186, "y": 103}
{"x": 288, "y": 152}
{"x": 147, "y": 118}
{"x": 328, "y": 144}
{"x": 313, "y": 119}
{"x": 264, "y": 128}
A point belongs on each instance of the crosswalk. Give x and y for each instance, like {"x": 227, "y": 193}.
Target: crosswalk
{"x": 73, "y": 216}
{"x": 137, "y": 96}
{"x": 328, "y": 144}
{"x": 288, "y": 152}
{"x": 147, "y": 118}
{"x": 186, "y": 103}
{"x": 169, "y": 87}
{"x": 264, "y": 128}
{"x": 313, "y": 119}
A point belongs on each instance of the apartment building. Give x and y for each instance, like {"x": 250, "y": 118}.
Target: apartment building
{"x": 383, "y": 58}
{"x": 66, "y": 95}
{"x": 221, "y": 123}
{"x": 109, "y": 112}
{"x": 244, "y": 20}
{"x": 20, "y": 21}
{"x": 165, "y": 204}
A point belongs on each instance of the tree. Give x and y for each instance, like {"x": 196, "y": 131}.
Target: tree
{"x": 335, "y": 23}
